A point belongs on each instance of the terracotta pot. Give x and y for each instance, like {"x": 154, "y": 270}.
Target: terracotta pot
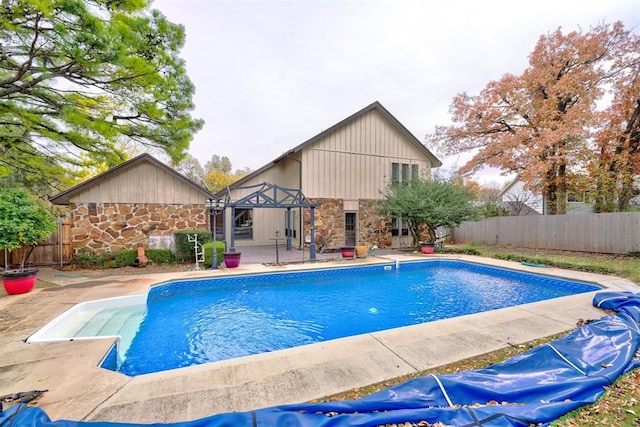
{"x": 427, "y": 248}
{"x": 231, "y": 259}
{"x": 348, "y": 251}
{"x": 19, "y": 281}
{"x": 361, "y": 251}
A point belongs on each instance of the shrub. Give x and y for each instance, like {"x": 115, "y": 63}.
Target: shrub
{"x": 24, "y": 220}
{"x": 87, "y": 259}
{"x": 160, "y": 256}
{"x": 208, "y": 253}
{"x": 123, "y": 258}
{"x": 184, "y": 248}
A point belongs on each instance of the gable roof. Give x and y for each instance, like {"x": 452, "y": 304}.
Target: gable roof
{"x": 508, "y": 187}
{"x": 373, "y": 106}
{"x": 64, "y": 197}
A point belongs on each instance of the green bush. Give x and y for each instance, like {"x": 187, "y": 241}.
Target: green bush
{"x": 160, "y": 256}
{"x": 208, "y": 253}
{"x": 24, "y": 220}
{"x": 184, "y": 248}
{"x": 87, "y": 259}
{"x": 123, "y": 258}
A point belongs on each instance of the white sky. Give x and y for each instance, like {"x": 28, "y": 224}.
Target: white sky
{"x": 271, "y": 74}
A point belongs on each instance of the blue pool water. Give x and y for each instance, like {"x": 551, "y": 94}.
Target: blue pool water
{"x": 199, "y": 321}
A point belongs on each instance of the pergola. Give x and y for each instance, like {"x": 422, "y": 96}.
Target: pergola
{"x": 267, "y": 195}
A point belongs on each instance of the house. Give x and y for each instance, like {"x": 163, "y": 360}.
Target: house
{"x": 518, "y": 201}
{"x": 342, "y": 172}
{"x": 142, "y": 201}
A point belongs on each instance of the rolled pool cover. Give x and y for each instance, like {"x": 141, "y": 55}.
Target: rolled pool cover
{"x": 535, "y": 387}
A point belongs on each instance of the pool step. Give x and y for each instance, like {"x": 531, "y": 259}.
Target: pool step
{"x": 107, "y": 323}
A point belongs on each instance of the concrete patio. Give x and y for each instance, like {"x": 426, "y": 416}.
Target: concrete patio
{"x": 79, "y": 390}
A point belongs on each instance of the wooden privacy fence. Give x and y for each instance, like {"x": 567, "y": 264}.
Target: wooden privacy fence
{"x": 614, "y": 233}
{"x": 56, "y": 250}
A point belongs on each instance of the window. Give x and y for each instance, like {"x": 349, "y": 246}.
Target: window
{"x": 415, "y": 173}
{"x": 243, "y": 224}
{"x": 404, "y": 172}
{"x": 399, "y": 226}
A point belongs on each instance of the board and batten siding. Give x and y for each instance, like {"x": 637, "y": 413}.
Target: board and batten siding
{"x": 354, "y": 161}
{"x": 143, "y": 183}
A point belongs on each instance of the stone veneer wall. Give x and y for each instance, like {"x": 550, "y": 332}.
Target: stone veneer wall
{"x": 373, "y": 226}
{"x": 100, "y": 227}
{"x": 329, "y": 218}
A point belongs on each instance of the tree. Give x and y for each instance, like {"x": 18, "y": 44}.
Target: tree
{"x": 618, "y": 144}
{"x": 217, "y": 180}
{"x": 218, "y": 173}
{"x": 190, "y": 167}
{"x": 540, "y": 124}
{"x": 76, "y": 75}
{"x": 218, "y": 163}
{"x": 488, "y": 203}
{"x": 428, "y": 204}
{"x": 24, "y": 220}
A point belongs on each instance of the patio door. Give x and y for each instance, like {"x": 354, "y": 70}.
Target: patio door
{"x": 291, "y": 225}
{"x": 350, "y": 228}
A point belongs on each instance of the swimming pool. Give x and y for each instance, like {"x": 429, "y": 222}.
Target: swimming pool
{"x": 209, "y": 320}
{"x": 198, "y": 321}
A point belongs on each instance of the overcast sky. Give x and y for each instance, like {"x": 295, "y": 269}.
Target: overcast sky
{"x": 271, "y": 74}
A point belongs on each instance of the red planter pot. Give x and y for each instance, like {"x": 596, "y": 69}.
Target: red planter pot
{"x": 19, "y": 281}
{"x": 428, "y": 248}
{"x": 231, "y": 259}
{"x": 348, "y": 251}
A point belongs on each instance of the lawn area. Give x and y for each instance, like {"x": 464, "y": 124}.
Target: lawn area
{"x": 626, "y": 266}
{"x": 619, "y": 406}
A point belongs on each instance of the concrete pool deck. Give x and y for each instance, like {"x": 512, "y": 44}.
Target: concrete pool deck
{"x": 79, "y": 390}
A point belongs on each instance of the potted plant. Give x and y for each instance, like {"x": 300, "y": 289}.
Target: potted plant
{"x": 24, "y": 221}
{"x": 427, "y": 247}
{"x": 231, "y": 259}
{"x": 348, "y": 251}
{"x": 361, "y": 250}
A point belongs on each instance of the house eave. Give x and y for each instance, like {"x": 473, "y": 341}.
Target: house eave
{"x": 64, "y": 197}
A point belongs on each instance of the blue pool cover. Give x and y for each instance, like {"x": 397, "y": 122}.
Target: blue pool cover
{"x": 535, "y": 387}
